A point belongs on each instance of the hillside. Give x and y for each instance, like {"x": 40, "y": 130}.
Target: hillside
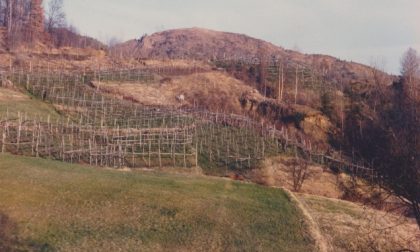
{"x": 213, "y": 91}
{"x": 84, "y": 191}
{"x": 66, "y": 37}
{"x": 50, "y": 205}
{"x": 134, "y": 98}
{"x": 194, "y": 139}
{"x": 13, "y": 102}
{"x": 351, "y": 227}
{"x": 67, "y": 50}
{"x": 196, "y": 43}
{"x": 62, "y": 49}
{"x": 204, "y": 44}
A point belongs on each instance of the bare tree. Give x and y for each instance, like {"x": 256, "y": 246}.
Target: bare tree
{"x": 36, "y": 21}
{"x": 391, "y": 143}
{"x": 296, "y": 83}
{"x": 281, "y": 81}
{"x": 3, "y": 4}
{"x": 56, "y": 18}
{"x": 263, "y": 76}
{"x": 400, "y": 166}
{"x": 8, "y": 17}
{"x": 299, "y": 171}
{"x": 380, "y": 81}
{"x": 14, "y": 15}
{"x": 410, "y": 71}
{"x": 410, "y": 65}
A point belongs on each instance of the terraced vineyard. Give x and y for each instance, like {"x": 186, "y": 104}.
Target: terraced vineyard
{"x": 99, "y": 128}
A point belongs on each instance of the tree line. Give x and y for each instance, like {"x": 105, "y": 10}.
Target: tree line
{"x": 25, "y": 22}
{"x": 382, "y": 127}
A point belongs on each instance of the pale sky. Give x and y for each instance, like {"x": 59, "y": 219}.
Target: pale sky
{"x": 358, "y": 30}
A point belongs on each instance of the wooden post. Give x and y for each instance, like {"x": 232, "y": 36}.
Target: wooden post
{"x": 282, "y": 81}
{"x": 263, "y": 147}
{"x": 150, "y": 151}
{"x": 120, "y": 155}
{"x": 3, "y": 141}
{"x": 173, "y": 148}
{"x": 196, "y": 154}
{"x": 19, "y": 132}
{"x": 33, "y": 138}
{"x": 37, "y": 140}
{"x": 296, "y": 85}
{"x": 160, "y": 158}
{"x": 90, "y": 152}
{"x": 63, "y": 148}
{"x": 185, "y": 158}
{"x": 227, "y": 154}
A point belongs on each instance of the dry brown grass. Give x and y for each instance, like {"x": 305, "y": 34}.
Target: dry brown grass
{"x": 323, "y": 182}
{"x": 5, "y": 59}
{"x": 2, "y": 39}
{"x": 62, "y": 59}
{"x": 176, "y": 63}
{"x": 346, "y": 226}
{"x": 215, "y": 91}
{"x": 70, "y": 59}
{"x": 321, "y": 243}
{"x": 320, "y": 181}
{"x": 11, "y": 95}
{"x": 352, "y": 227}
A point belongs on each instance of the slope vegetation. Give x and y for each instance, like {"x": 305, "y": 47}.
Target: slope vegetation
{"x": 51, "y": 205}
{"x": 213, "y": 91}
{"x": 195, "y": 43}
{"x": 14, "y": 102}
{"x": 350, "y": 227}
{"x": 205, "y": 44}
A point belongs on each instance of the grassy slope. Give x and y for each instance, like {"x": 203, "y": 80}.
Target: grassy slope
{"x": 71, "y": 207}
{"x": 13, "y": 102}
{"x": 214, "y": 91}
{"x": 351, "y": 227}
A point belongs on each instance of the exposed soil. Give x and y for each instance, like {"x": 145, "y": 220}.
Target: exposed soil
{"x": 215, "y": 91}
{"x": 10, "y": 95}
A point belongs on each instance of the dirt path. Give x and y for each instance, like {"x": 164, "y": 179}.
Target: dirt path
{"x": 320, "y": 243}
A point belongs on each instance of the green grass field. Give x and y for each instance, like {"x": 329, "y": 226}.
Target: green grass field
{"x": 13, "y": 102}
{"x": 48, "y": 205}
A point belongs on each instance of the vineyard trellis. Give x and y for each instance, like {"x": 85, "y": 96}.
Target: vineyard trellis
{"x": 106, "y": 131}
{"x": 101, "y": 146}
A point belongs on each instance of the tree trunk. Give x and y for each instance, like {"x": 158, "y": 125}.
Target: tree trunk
{"x": 8, "y": 17}
{"x": 296, "y": 85}
{"x": 416, "y": 209}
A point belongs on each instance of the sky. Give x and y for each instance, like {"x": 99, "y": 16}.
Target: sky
{"x": 365, "y": 31}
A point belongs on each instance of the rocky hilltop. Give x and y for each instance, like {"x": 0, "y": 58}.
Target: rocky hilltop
{"x": 205, "y": 44}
